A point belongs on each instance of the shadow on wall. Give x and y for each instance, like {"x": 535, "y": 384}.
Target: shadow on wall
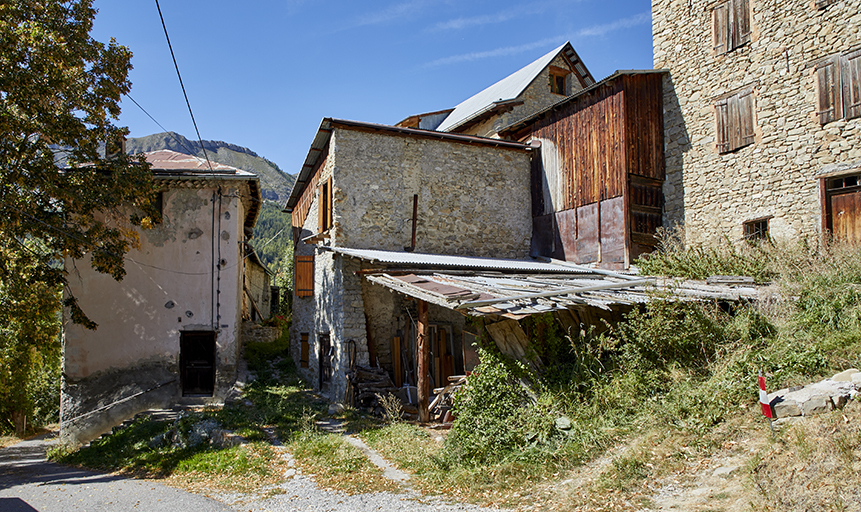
{"x": 677, "y": 142}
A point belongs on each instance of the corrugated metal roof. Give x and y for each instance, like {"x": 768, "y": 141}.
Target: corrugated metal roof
{"x": 519, "y": 295}
{"x": 460, "y": 262}
{"x": 508, "y": 88}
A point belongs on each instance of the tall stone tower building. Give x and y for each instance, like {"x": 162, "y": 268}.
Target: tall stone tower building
{"x": 762, "y": 116}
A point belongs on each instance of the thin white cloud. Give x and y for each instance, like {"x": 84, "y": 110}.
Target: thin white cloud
{"x": 498, "y": 52}
{"x": 401, "y": 10}
{"x": 600, "y": 30}
{"x": 593, "y": 31}
{"x": 499, "y": 17}
{"x": 485, "y": 19}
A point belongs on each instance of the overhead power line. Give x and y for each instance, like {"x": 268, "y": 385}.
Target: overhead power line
{"x": 175, "y": 65}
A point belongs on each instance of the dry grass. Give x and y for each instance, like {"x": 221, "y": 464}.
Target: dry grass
{"x": 815, "y": 465}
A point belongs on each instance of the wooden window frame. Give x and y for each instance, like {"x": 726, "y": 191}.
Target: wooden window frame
{"x": 756, "y": 229}
{"x": 304, "y": 276}
{"x": 324, "y": 220}
{"x": 838, "y": 87}
{"x": 731, "y": 25}
{"x": 736, "y": 121}
{"x": 555, "y": 74}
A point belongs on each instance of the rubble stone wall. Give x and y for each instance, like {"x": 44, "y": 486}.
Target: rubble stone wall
{"x": 712, "y": 194}
{"x": 473, "y": 199}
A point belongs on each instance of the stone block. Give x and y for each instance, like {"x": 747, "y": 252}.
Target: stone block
{"x": 845, "y": 375}
{"x": 786, "y": 408}
{"x": 819, "y": 404}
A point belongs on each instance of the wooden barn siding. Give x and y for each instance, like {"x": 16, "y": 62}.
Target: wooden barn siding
{"x": 644, "y": 111}
{"x": 589, "y": 135}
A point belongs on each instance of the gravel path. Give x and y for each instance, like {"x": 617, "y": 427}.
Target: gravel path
{"x": 28, "y": 482}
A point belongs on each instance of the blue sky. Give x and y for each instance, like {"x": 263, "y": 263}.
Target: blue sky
{"x": 262, "y": 74}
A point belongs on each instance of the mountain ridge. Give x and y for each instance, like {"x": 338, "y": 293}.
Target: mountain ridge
{"x": 275, "y": 184}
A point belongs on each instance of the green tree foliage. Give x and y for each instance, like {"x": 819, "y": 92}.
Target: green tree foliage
{"x": 29, "y": 345}
{"x": 273, "y": 244}
{"x": 59, "y": 95}
{"x": 66, "y": 188}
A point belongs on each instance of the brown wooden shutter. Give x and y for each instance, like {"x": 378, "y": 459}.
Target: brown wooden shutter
{"x": 303, "y": 356}
{"x": 850, "y": 67}
{"x": 745, "y": 115}
{"x": 740, "y": 22}
{"x": 723, "y": 126}
{"x": 304, "y": 276}
{"x": 828, "y": 94}
{"x": 324, "y": 209}
{"x": 720, "y": 17}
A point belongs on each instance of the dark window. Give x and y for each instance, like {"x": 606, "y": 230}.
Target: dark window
{"x": 731, "y": 25}
{"x": 822, "y": 4}
{"x": 197, "y": 362}
{"x": 735, "y": 125}
{"x": 304, "y": 276}
{"x": 838, "y": 82}
{"x": 557, "y": 84}
{"x": 303, "y": 356}
{"x": 756, "y": 229}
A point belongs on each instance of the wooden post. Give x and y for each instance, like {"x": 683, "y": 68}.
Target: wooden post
{"x": 424, "y": 356}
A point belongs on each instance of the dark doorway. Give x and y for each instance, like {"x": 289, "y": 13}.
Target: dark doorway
{"x": 197, "y": 362}
{"x": 325, "y": 358}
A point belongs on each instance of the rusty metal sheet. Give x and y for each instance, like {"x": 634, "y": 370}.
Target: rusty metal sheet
{"x": 445, "y": 290}
{"x": 586, "y": 248}
{"x": 612, "y": 231}
{"x": 566, "y": 231}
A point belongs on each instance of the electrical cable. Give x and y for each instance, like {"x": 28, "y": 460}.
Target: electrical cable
{"x": 170, "y": 134}
{"x": 188, "y": 103}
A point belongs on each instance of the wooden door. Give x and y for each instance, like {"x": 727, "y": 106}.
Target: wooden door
{"x": 197, "y": 363}
{"x": 846, "y": 216}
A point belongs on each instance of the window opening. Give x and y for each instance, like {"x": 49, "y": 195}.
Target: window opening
{"x": 756, "y": 229}
{"x": 304, "y": 276}
{"x": 838, "y": 83}
{"x": 197, "y": 363}
{"x": 731, "y": 25}
{"x": 735, "y": 125}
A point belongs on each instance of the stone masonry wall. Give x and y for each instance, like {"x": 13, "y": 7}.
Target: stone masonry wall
{"x": 335, "y": 309}
{"x": 473, "y": 199}
{"x": 712, "y": 194}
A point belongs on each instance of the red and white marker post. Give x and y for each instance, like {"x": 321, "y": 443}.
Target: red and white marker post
{"x": 764, "y": 402}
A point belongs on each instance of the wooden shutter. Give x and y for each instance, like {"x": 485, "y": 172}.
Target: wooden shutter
{"x": 324, "y": 211}
{"x": 303, "y": 356}
{"x": 745, "y": 116}
{"x": 850, "y": 67}
{"x": 723, "y": 126}
{"x": 828, "y": 94}
{"x": 304, "y": 276}
{"x": 740, "y": 22}
{"x": 720, "y": 17}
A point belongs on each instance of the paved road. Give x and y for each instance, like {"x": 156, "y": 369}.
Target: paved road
{"x": 29, "y": 482}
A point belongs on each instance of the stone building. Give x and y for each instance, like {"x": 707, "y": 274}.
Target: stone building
{"x": 762, "y": 117}
{"x": 547, "y": 80}
{"x": 365, "y": 186}
{"x": 169, "y": 331}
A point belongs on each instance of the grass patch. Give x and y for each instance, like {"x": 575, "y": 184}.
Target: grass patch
{"x": 338, "y": 465}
